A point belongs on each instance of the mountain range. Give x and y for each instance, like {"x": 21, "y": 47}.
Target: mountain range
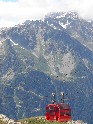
{"x": 40, "y": 57}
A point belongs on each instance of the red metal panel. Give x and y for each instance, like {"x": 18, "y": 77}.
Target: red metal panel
{"x": 51, "y": 112}
{"x": 64, "y": 112}
{"x": 58, "y": 112}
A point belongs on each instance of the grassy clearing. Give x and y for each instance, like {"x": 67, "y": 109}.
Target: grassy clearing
{"x": 38, "y": 120}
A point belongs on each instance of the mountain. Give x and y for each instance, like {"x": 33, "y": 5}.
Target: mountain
{"x": 40, "y": 57}
{"x": 77, "y": 27}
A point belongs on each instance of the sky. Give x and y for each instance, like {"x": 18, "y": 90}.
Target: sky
{"x": 13, "y": 12}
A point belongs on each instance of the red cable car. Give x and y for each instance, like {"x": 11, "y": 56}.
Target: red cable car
{"x": 52, "y": 112}
{"x": 64, "y": 112}
{"x": 58, "y": 112}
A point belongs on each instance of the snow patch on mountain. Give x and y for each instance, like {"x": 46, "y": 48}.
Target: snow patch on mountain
{"x": 63, "y": 14}
{"x": 0, "y": 42}
{"x": 13, "y": 42}
{"x": 53, "y": 26}
{"x": 22, "y": 48}
{"x": 64, "y": 25}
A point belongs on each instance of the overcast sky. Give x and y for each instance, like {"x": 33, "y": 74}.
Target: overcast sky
{"x": 13, "y": 12}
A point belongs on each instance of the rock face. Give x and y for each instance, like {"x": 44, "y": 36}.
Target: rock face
{"x": 41, "y": 57}
{"x": 6, "y": 120}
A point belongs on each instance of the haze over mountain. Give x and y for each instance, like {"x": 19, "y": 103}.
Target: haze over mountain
{"x": 14, "y": 12}
{"x": 41, "y": 57}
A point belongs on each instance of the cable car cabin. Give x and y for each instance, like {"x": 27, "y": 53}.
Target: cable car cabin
{"x": 64, "y": 112}
{"x": 58, "y": 112}
{"x": 52, "y": 112}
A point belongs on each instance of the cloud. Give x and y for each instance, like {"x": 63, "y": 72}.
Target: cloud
{"x": 12, "y": 13}
{"x": 83, "y": 7}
